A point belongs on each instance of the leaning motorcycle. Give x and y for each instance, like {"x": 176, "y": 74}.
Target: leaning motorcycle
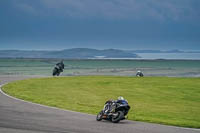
{"x": 118, "y": 112}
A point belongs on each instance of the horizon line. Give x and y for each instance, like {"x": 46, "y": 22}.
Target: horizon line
{"x": 181, "y": 50}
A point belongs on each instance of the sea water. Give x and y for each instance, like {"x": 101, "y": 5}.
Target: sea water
{"x": 187, "y": 56}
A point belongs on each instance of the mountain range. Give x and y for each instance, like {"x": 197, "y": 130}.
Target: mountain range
{"x": 75, "y": 53}
{"x": 82, "y": 53}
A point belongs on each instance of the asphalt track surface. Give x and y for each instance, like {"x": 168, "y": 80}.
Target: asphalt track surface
{"x": 18, "y": 116}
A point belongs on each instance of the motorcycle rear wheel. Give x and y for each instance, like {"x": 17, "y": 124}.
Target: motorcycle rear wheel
{"x": 119, "y": 116}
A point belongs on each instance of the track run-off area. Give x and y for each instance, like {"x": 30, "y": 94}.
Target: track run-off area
{"x": 18, "y": 116}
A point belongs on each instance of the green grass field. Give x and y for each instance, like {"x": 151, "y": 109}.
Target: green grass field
{"x": 171, "y": 101}
{"x": 44, "y": 67}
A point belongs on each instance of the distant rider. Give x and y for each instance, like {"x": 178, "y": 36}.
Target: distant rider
{"x": 60, "y": 66}
{"x": 139, "y": 74}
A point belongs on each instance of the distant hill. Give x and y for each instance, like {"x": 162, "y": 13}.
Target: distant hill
{"x": 157, "y": 51}
{"x": 75, "y": 53}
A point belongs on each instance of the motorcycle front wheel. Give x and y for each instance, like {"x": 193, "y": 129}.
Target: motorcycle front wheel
{"x": 56, "y": 72}
{"x": 99, "y": 116}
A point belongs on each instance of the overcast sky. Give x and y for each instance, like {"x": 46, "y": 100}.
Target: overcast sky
{"x": 101, "y": 24}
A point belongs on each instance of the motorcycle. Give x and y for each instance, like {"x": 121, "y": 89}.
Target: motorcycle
{"x": 139, "y": 74}
{"x": 118, "y": 112}
{"x": 58, "y": 68}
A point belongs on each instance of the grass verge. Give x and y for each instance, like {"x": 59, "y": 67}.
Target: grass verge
{"x": 164, "y": 100}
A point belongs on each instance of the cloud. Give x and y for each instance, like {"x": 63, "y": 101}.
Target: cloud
{"x": 117, "y": 9}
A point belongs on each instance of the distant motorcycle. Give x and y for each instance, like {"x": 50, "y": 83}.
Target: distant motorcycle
{"x": 58, "y": 68}
{"x": 119, "y": 112}
{"x": 139, "y": 74}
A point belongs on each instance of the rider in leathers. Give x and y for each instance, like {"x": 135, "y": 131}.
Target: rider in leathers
{"x": 111, "y": 104}
{"x": 60, "y": 66}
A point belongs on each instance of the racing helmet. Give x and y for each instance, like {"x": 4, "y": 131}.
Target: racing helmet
{"x": 120, "y": 98}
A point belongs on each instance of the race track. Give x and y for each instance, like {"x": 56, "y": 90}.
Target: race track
{"x": 18, "y": 116}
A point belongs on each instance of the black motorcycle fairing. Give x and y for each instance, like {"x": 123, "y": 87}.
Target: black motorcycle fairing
{"x": 57, "y": 70}
{"x": 122, "y": 107}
